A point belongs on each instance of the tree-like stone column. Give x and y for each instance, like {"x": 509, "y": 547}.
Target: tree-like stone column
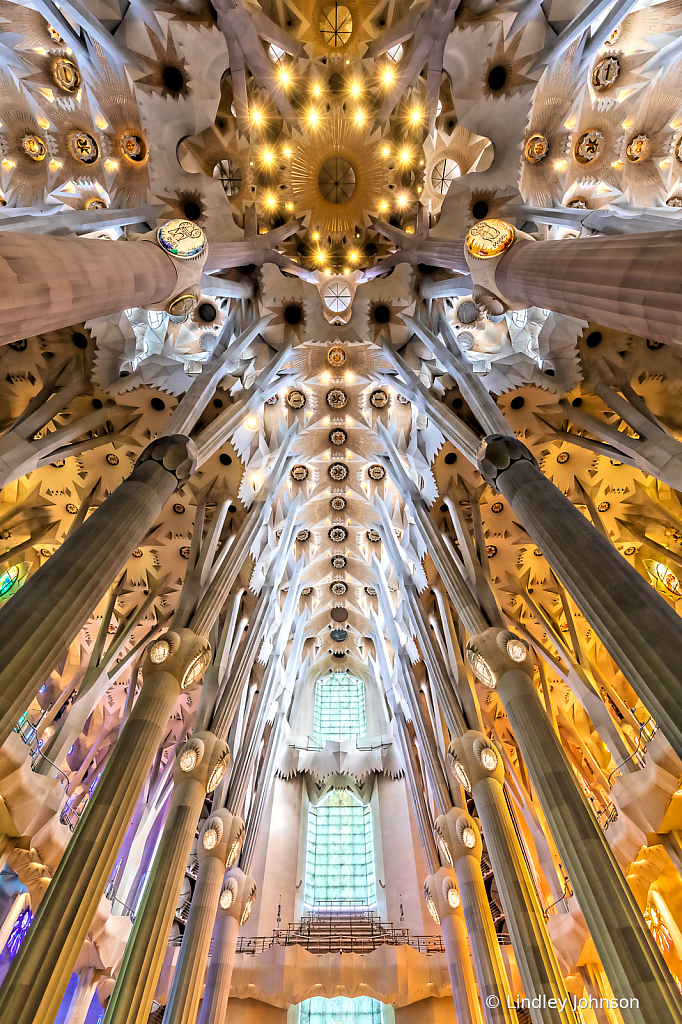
{"x": 460, "y": 840}
{"x": 638, "y": 628}
{"x": 631, "y": 959}
{"x": 443, "y": 899}
{"x": 217, "y": 847}
{"x": 47, "y": 282}
{"x": 35, "y": 984}
{"x": 200, "y": 765}
{"x": 44, "y": 617}
{"x": 235, "y": 904}
{"x": 628, "y": 282}
{"x": 479, "y": 766}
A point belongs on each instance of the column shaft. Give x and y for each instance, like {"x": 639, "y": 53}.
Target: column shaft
{"x": 44, "y": 617}
{"x": 132, "y": 997}
{"x": 48, "y": 282}
{"x": 217, "y": 991}
{"x": 639, "y": 629}
{"x": 630, "y": 957}
{"x": 36, "y": 981}
{"x": 629, "y": 282}
{"x": 464, "y": 994}
{"x": 532, "y": 946}
{"x": 485, "y": 947}
{"x": 190, "y": 971}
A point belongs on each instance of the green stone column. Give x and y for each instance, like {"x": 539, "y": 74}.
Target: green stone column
{"x": 37, "y": 980}
{"x": 219, "y": 843}
{"x": 638, "y": 628}
{"x": 460, "y": 842}
{"x": 445, "y": 906}
{"x": 631, "y": 959}
{"x": 236, "y": 903}
{"x": 45, "y": 616}
{"x": 201, "y": 764}
{"x": 479, "y": 768}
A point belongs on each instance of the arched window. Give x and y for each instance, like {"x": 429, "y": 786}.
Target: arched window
{"x": 340, "y": 856}
{"x": 341, "y": 1010}
{"x": 339, "y": 708}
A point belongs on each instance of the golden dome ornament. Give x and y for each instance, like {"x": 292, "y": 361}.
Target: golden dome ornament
{"x": 605, "y": 73}
{"x": 637, "y": 149}
{"x": 182, "y": 239}
{"x": 83, "y": 147}
{"x": 336, "y": 356}
{"x": 489, "y": 238}
{"x": 133, "y": 147}
{"x": 536, "y": 148}
{"x": 589, "y": 146}
{"x": 66, "y": 75}
{"x": 34, "y": 147}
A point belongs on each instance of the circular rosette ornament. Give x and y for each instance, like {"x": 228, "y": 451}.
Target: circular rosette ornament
{"x": 338, "y": 534}
{"x": 337, "y": 503}
{"x": 379, "y": 399}
{"x": 302, "y": 536}
{"x": 182, "y": 239}
{"x": 589, "y": 146}
{"x": 338, "y": 436}
{"x": 83, "y": 147}
{"x": 336, "y": 356}
{"x": 376, "y": 472}
{"x": 133, "y": 147}
{"x": 536, "y": 148}
{"x": 605, "y": 73}
{"x": 339, "y": 562}
{"x": 299, "y": 473}
{"x": 66, "y": 75}
{"x": 338, "y": 471}
{"x": 489, "y": 238}
{"x": 296, "y": 399}
{"x": 373, "y": 536}
{"x": 338, "y": 588}
{"x": 337, "y": 398}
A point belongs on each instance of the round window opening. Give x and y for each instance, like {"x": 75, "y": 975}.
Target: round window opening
{"x": 336, "y": 25}
{"x": 336, "y": 180}
{"x": 444, "y": 173}
{"x": 229, "y": 174}
{"x": 337, "y": 297}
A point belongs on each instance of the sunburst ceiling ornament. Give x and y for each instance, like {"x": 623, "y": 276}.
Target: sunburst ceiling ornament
{"x": 337, "y": 177}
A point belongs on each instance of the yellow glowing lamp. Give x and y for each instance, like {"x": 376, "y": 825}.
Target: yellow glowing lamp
{"x": 663, "y": 579}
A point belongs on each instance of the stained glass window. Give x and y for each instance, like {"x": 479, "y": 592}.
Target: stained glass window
{"x": 339, "y": 708}
{"x": 18, "y": 933}
{"x": 341, "y": 1011}
{"x": 340, "y": 857}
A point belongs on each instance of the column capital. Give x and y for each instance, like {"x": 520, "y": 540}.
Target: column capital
{"x": 475, "y": 757}
{"x": 442, "y": 895}
{"x": 179, "y": 653}
{"x": 497, "y": 453}
{"x": 177, "y": 453}
{"x": 185, "y": 245}
{"x": 238, "y": 896}
{"x": 496, "y": 651}
{"x": 203, "y": 758}
{"x": 221, "y": 837}
{"x": 458, "y": 836}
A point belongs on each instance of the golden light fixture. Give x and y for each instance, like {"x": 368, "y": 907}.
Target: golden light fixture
{"x": 387, "y": 75}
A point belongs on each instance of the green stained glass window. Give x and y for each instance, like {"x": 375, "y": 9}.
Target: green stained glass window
{"x": 341, "y": 1011}
{"x": 339, "y": 708}
{"x": 340, "y": 857}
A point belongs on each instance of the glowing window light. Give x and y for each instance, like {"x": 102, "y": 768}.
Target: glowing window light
{"x": 395, "y": 54}
{"x": 275, "y": 53}
{"x": 8, "y": 579}
{"x": 663, "y": 579}
{"x": 18, "y": 933}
